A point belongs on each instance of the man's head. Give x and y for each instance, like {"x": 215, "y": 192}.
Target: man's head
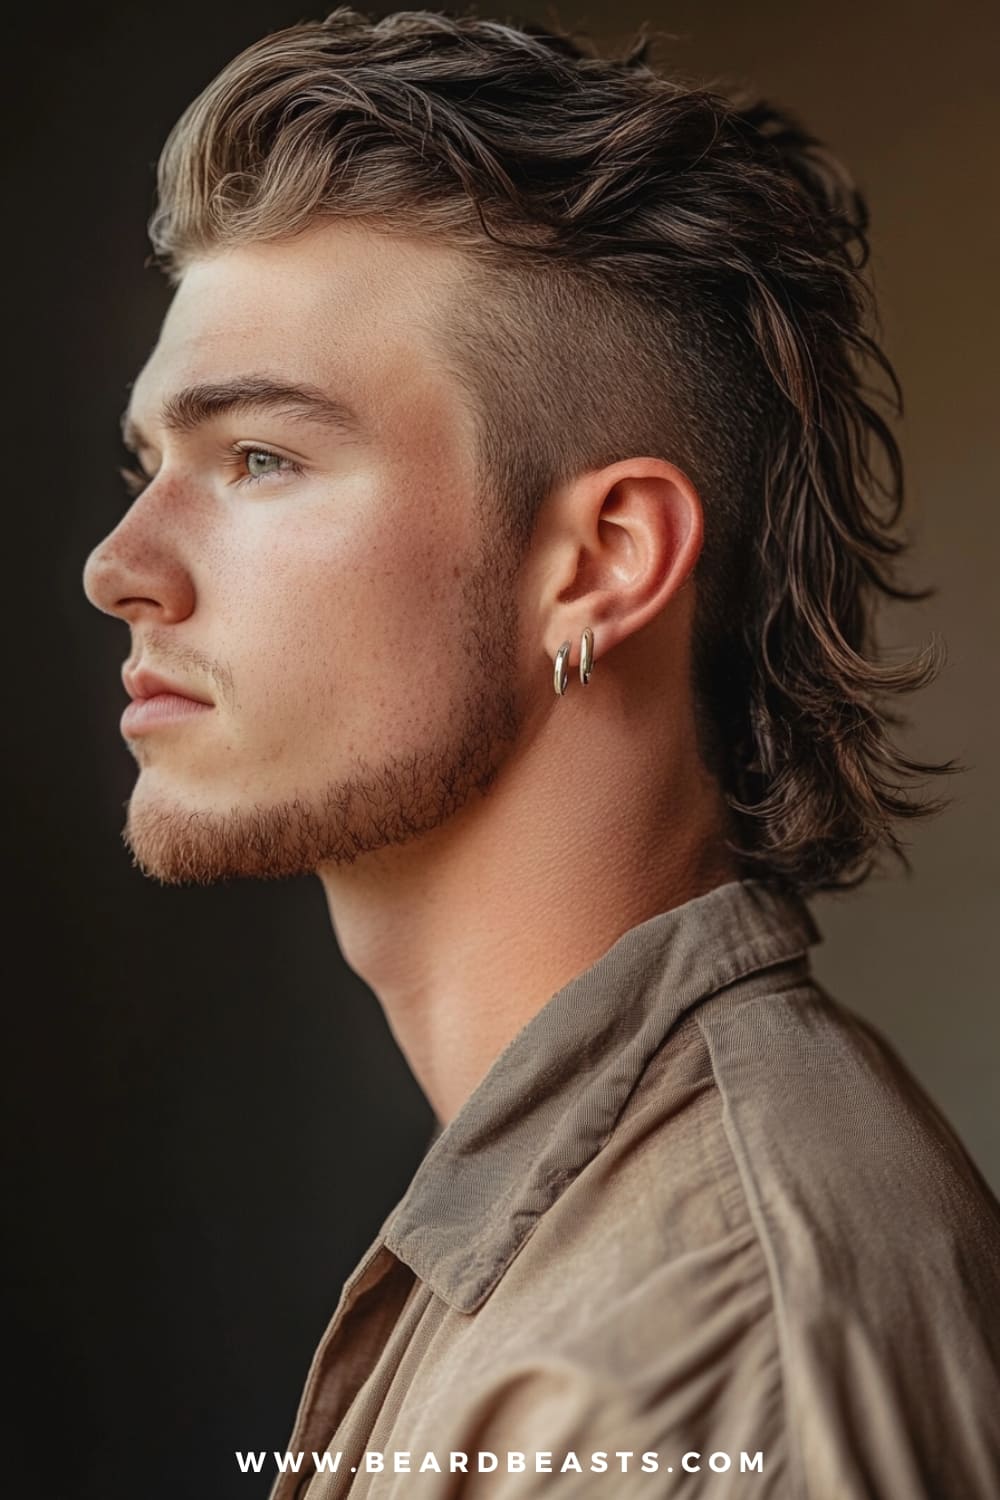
{"x": 308, "y": 556}
{"x": 506, "y": 267}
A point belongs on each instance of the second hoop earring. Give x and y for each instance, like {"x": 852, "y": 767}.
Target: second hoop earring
{"x": 586, "y": 655}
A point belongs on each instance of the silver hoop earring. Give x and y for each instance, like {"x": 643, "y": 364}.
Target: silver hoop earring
{"x": 586, "y": 655}
{"x": 560, "y": 676}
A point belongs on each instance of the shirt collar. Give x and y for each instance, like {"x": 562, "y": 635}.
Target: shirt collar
{"x": 552, "y": 1097}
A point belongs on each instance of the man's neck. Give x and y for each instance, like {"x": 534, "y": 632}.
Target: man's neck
{"x": 465, "y": 933}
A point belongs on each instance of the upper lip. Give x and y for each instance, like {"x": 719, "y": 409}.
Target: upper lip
{"x": 141, "y": 683}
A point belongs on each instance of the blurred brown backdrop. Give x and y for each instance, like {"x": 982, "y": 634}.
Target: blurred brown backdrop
{"x": 207, "y": 1118}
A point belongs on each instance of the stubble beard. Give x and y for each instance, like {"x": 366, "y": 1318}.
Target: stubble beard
{"x": 377, "y": 805}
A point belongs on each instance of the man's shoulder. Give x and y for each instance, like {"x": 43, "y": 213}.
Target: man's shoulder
{"x": 826, "y": 1120}
{"x": 779, "y": 1110}
{"x": 788, "y": 1113}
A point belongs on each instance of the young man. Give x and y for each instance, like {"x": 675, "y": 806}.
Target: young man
{"x": 512, "y": 509}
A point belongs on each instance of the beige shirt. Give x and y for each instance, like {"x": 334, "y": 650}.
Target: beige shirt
{"x": 698, "y": 1211}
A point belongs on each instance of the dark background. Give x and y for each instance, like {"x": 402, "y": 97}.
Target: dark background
{"x": 207, "y": 1119}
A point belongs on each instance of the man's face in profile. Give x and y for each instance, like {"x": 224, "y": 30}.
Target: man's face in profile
{"x": 323, "y": 583}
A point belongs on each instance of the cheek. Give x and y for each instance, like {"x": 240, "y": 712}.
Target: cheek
{"x": 354, "y": 628}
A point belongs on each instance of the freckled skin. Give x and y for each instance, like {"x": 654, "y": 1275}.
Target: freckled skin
{"x": 352, "y": 625}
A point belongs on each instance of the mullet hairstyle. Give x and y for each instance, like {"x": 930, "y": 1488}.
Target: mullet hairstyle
{"x": 655, "y": 269}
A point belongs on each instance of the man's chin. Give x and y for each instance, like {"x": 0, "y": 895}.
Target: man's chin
{"x": 179, "y": 845}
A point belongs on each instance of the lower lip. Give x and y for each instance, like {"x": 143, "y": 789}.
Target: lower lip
{"x": 163, "y": 708}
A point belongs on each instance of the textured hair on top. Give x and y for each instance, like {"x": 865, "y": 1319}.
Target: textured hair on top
{"x": 655, "y": 269}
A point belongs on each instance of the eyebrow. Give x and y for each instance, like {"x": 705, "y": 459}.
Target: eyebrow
{"x": 190, "y": 408}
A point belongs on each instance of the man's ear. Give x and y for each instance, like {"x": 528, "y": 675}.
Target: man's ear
{"x": 619, "y": 542}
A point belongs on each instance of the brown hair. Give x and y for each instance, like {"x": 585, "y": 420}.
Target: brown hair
{"x": 659, "y": 269}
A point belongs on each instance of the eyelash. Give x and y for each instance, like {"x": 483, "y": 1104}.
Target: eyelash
{"x": 136, "y": 481}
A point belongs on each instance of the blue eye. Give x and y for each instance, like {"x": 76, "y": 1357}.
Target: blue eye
{"x": 246, "y": 457}
{"x": 277, "y": 462}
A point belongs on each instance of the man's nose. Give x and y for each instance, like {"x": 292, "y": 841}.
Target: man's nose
{"x": 131, "y": 580}
{"x": 112, "y": 584}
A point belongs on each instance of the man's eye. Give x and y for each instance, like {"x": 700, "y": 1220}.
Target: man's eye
{"x": 135, "y": 482}
{"x": 259, "y": 463}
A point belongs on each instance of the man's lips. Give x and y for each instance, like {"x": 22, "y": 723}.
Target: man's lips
{"x": 157, "y": 701}
{"x": 142, "y": 683}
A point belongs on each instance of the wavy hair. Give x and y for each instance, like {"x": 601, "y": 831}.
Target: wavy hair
{"x": 655, "y": 268}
